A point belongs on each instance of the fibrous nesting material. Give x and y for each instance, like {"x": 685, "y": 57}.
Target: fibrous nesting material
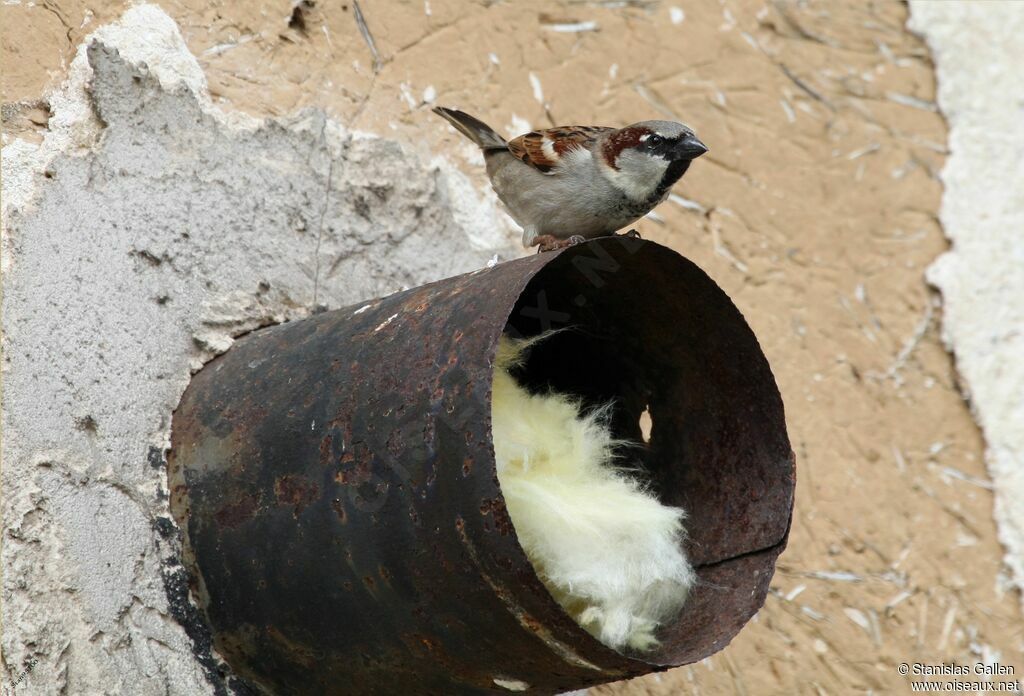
{"x": 608, "y": 551}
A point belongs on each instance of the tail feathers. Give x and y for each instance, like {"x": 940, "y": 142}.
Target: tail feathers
{"x": 474, "y": 129}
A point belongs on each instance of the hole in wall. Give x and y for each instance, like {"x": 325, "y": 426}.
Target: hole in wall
{"x": 298, "y": 17}
{"x": 646, "y": 424}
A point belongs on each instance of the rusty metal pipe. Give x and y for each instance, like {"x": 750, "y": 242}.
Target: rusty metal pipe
{"x": 343, "y": 521}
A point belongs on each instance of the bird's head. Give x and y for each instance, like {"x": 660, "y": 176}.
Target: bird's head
{"x": 645, "y": 159}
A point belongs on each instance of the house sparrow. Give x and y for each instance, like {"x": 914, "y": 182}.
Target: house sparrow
{"x": 569, "y": 183}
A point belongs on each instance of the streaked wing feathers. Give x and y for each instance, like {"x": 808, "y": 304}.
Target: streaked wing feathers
{"x": 542, "y": 149}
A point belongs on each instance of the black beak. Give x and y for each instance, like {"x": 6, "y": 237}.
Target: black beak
{"x": 688, "y": 148}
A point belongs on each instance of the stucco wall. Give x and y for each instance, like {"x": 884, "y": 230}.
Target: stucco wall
{"x": 151, "y": 213}
{"x": 978, "y": 49}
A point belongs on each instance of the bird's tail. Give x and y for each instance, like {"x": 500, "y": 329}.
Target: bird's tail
{"x": 474, "y": 129}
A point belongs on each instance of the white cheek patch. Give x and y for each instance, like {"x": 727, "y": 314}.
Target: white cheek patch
{"x": 638, "y": 175}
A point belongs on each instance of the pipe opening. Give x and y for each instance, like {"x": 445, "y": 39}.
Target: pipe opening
{"x": 596, "y": 535}
{"x": 688, "y": 389}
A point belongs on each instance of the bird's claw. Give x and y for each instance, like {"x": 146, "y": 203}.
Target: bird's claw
{"x": 630, "y": 234}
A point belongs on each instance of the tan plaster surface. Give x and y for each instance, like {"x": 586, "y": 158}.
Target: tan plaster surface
{"x": 815, "y": 210}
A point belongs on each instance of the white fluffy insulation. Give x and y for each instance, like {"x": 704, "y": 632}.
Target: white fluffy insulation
{"x": 606, "y": 549}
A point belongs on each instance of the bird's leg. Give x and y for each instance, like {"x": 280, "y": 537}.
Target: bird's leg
{"x": 545, "y": 242}
{"x": 631, "y": 234}
{"x": 549, "y": 242}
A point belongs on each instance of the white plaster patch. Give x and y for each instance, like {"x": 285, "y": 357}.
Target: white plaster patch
{"x": 405, "y": 90}
{"x": 131, "y": 259}
{"x": 572, "y": 27}
{"x": 538, "y": 90}
{"x": 517, "y": 126}
{"x": 977, "y": 49}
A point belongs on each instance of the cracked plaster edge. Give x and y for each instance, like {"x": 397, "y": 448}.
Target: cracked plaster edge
{"x": 146, "y": 35}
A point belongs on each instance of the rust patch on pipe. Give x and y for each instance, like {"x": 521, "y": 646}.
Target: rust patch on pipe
{"x": 495, "y": 507}
{"x": 233, "y": 514}
{"x": 295, "y": 491}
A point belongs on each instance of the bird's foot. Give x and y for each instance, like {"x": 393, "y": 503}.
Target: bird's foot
{"x": 549, "y": 242}
{"x": 630, "y": 234}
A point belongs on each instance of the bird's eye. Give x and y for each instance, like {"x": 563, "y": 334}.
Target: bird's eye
{"x": 654, "y": 140}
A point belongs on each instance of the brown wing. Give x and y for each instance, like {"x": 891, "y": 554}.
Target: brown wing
{"x": 542, "y": 149}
